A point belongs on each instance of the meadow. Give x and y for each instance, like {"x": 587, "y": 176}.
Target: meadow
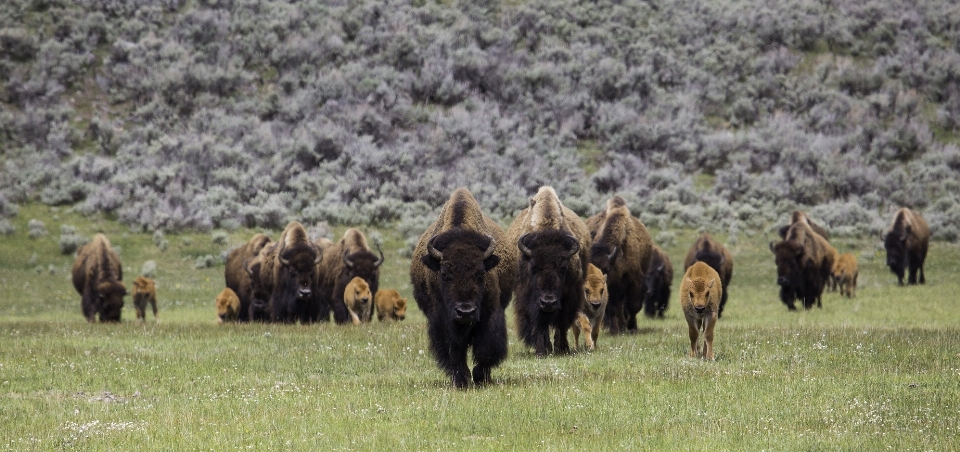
{"x": 876, "y": 372}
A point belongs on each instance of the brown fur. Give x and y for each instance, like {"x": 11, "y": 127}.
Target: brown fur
{"x": 335, "y": 274}
{"x": 804, "y": 263}
{"x": 145, "y": 292}
{"x": 238, "y": 279}
{"x": 845, "y": 272}
{"x": 390, "y": 305}
{"x": 700, "y": 293}
{"x": 291, "y": 298}
{"x": 98, "y": 278}
{"x": 657, "y": 283}
{"x": 228, "y": 306}
{"x": 906, "y": 243}
{"x": 622, "y": 248}
{"x": 799, "y": 216}
{"x": 357, "y": 298}
{"x": 708, "y": 250}
{"x": 590, "y": 318}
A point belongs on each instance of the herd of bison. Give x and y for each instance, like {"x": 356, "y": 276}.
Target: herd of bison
{"x": 561, "y": 271}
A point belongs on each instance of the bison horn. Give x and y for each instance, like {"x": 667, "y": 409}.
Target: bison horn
{"x": 319, "y": 254}
{"x": 283, "y": 261}
{"x": 434, "y": 253}
{"x": 379, "y": 261}
{"x": 576, "y": 246}
{"x": 613, "y": 253}
{"x": 523, "y": 248}
{"x": 492, "y": 246}
{"x": 346, "y": 259}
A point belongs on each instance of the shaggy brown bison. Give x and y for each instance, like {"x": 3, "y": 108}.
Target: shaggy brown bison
{"x": 657, "y": 284}
{"x": 287, "y": 271}
{"x": 348, "y": 258}
{"x": 463, "y": 271}
{"x": 98, "y": 278}
{"x": 804, "y": 263}
{"x": 845, "y": 272}
{"x": 390, "y": 305}
{"x": 144, "y": 293}
{"x": 711, "y": 252}
{"x": 590, "y": 318}
{"x": 228, "y": 306}
{"x": 622, "y": 249}
{"x": 238, "y": 279}
{"x": 700, "y": 293}
{"x": 799, "y": 216}
{"x": 358, "y": 300}
{"x": 553, "y": 244}
{"x": 906, "y": 242}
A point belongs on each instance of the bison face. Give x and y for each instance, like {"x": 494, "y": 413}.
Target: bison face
{"x": 545, "y": 261}
{"x": 788, "y": 256}
{"x": 400, "y": 309}
{"x": 110, "y": 300}
{"x": 603, "y": 256}
{"x": 462, "y": 260}
{"x": 362, "y": 264}
{"x": 299, "y": 265}
{"x": 896, "y": 246}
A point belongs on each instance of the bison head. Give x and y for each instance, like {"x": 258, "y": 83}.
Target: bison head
{"x": 110, "y": 300}
{"x": 545, "y": 259}
{"x": 362, "y": 264}
{"x": 788, "y": 255}
{"x": 700, "y": 294}
{"x": 604, "y": 256}
{"x": 896, "y": 246}
{"x": 462, "y": 259}
{"x": 400, "y": 309}
{"x": 299, "y": 264}
{"x": 595, "y": 291}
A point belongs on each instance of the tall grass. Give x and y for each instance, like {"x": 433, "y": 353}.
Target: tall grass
{"x": 876, "y": 372}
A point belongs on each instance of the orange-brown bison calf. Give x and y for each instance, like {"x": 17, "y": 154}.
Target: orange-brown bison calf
{"x": 845, "y": 272}
{"x": 358, "y": 299}
{"x": 228, "y": 306}
{"x": 390, "y": 305}
{"x": 144, "y": 292}
{"x": 700, "y": 294}
{"x": 590, "y": 318}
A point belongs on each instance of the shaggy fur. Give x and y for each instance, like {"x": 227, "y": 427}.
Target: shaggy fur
{"x": 906, "y": 243}
{"x": 799, "y": 216}
{"x": 714, "y": 254}
{"x": 622, "y": 249}
{"x": 287, "y": 271}
{"x": 554, "y": 244}
{"x": 258, "y": 310}
{"x": 463, "y": 271}
{"x": 700, "y": 293}
{"x": 238, "y": 279}
{"x": 144, "y": 292}
{"x": 358, "y": 300}
{"x": 803, "y": 266}
{"x": 348, "y": 258}
{"x": 228, "y": 306}
{"x": 657, "y": 283}
{"x": 845, "y": 272}
{"x": 390, "y": 305}
{"x": 98, "y": 278}
{"x": 590, "y": 318}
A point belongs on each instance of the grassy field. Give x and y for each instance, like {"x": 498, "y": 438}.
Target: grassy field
{"x": 881, "y": 371}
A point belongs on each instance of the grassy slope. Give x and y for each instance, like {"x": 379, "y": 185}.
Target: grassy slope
{"x": 878, "y": 371}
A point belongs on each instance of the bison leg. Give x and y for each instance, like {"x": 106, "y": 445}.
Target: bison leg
{"x": 708, "y": 336}
{"x": 153, "y": 305}
{"x": 596, "y": 332}
{"x": 694, "y": 332}
{"x": 723, "y": 302}
{"x": 489, "y": 347}
{"x": 560, "y": 343}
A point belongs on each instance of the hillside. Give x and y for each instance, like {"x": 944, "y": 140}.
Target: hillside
{"x": 206, "y": 114}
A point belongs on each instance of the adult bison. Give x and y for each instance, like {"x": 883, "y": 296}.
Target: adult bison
{"x": 906, "y": 242}
{"x": 98, "y": 278}
{"x": 553, "y": 243}
{"x": 622, "y": 249}
{"x": 463, "y": 271}
{"x": 711, "y": 252}
{"x": 657, "y": 284}
{"x": 348, "y": 258}
{"x": 804, "y": 263}
{"x": 287, "y": 271}
{"x": 238, "y": 279}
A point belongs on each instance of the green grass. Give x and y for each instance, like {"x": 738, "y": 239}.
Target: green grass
{"x": 877, "y": 372}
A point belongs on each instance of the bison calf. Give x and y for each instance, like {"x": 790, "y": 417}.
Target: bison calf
{"x": 700, "y": 294}
{"x": 390, "y": 305}
{"x": 144, "y": 292}
{"x": 358, "y": 300}
{"x": 228, "y": 306}
{"x": 590, "y": 318}
{"x": 845, "y": 271}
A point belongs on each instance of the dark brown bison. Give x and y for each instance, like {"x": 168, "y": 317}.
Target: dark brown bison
{"x": 144, "y": 293}
{"x": 906, "y": 242}
{"x": 238, "y": 279}
{"x": 348, "y": 258}
{"x": 622, "y": 249}
{"x": 463, "y": 271}
{"x": 657, "y": 284}
{"x": 799, "y": 216}
{"x": 711, "y": 252}
{"x": 98, "y": 278}
{"x": 804, "y": 263}
{"x": 554, "y": 245}
{"x": 258, "y": 310}
{"x": 287, "y": 271}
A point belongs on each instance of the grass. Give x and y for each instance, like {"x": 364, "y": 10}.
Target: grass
{"x": 876, "y": 372}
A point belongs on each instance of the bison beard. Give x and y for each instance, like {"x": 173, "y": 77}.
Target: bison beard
{"x": 545, "y": 296}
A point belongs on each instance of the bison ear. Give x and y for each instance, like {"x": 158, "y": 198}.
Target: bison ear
{"x": 491, "y": 262}
{"x": 431, "y": 262}
{"x": 710, "y": 284}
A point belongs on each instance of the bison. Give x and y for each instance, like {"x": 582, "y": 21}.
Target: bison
{"x": 657, "y": 284}
{"x": 707, "y": 250}
{"x": 258, "y": 310}
{"x": 799, "y": 216}
{"x": 804, "y": 263}
{"x": 622, "y": 250}
{"x": 700, "y": 294}
{"x": 463, "y": 271}
{"x": 144, "y": 292}
{"x": 228, "y": 306}
{"x": 906, "y": 243}
{"x": 98, "y": 278}
{"x": 590, "y": 318}
{"x": 238, "y": 279}
{"x": 553, "y": 243}
{"x": 287, "y": 271}
{"x": 845, "y": 272}
{"x": 390, "y": 305}
{"x": 358, "y": 300}
{"x": 348, "y": 258}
